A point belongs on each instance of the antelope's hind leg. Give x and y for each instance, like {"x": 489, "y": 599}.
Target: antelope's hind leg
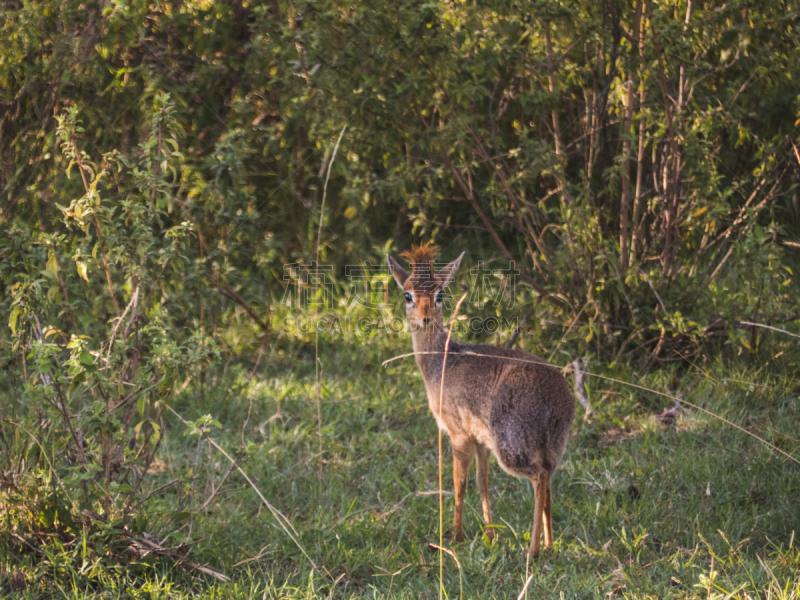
{"x": 482, "y": 477}
{"x": 540, "y": 482}
{"x": 548, "y": 519}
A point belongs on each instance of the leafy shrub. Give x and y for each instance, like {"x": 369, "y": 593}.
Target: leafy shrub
{"x": 102, "y": 343}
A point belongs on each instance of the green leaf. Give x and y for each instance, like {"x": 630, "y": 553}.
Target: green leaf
{"x": 181, "y": 516}
{"x": 53, "y": 292}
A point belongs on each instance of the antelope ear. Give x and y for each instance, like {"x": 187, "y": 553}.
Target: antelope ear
{"x": 448, "y": 273}
{"x": 398, "y": 273}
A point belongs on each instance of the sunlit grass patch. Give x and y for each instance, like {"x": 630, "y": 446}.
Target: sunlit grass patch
{"x": 691, "y": 508}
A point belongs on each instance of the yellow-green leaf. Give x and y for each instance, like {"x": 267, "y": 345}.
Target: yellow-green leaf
{"x": 52, "y": 263}
{"x": 82, "y": 269}
{"x": 156, "y": 430}
{"x": 12, "y": 319}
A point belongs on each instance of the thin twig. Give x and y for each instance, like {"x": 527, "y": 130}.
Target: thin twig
{"x": 442, "y": 549}
{"x": 468, "y": 353}
{"x": 134, "y": 314}
{"x": 652, "y": 287}
{"x": 258, "y": 360}
{"x": 316, "y": 332}
{"x": 64, "y": 292}
{"x": 97, "y": 226}
{"x": 218, "y": 489}
{"x": 325, "y": 188}
{"x": 525, "y": 587}
{"x": 46, "y": 457}
{"x": 60, "y": 404}
{"x": 259, "y": 556}
{"x": 393, "y": 507}
{"x": 469, "y": 193}
{"x": 233, "y": 295}
{"x": 133, "y": 302}
{"x": 275, "y": 512}
{"x": 683, "y": 401}
{"x": 719, "y": 266}
{"x": 441, "y": 397}
{"x": 158, "y": 490}
{"x": 640, "y": 387}
{"x": 518, "y": 328}
{"x": 564, "y": 337}
{"x": 769, "y": 327}
{"x": 579, "y": 367}
{"x": 143, "y": 546}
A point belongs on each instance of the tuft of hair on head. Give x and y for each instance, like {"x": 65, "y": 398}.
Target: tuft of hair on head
{"x": 421, "y": 259}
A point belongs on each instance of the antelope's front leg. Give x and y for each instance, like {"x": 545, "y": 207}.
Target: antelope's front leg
{"x": 462, "y": 457}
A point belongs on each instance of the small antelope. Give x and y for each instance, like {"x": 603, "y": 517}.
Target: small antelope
{"x": 505, "y": 402}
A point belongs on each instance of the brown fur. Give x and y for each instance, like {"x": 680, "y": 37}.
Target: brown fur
{"x": 421, "y": 259}
{"x": 509, "y": 403}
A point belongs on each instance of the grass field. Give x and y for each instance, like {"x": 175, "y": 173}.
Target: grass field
{"x": 642, "y": 508}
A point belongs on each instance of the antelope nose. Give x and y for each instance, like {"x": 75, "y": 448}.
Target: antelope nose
{"x": 426, "y": 321}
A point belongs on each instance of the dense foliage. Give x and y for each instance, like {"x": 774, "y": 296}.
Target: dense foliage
{"x": 638, "y": 161}
{"x": 161, "y": 163}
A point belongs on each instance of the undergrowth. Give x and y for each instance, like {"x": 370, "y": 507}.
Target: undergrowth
{"x": 650, "y": 502}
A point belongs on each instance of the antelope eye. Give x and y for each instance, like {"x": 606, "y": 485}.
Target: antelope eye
{"x": 408, "y": 297}
{"x": 439, "y": 296}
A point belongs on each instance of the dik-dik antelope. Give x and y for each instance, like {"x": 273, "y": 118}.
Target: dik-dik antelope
{"x": 505, "y": 402}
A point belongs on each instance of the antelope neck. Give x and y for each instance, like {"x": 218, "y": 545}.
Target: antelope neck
{"x": 430, "y": 340}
